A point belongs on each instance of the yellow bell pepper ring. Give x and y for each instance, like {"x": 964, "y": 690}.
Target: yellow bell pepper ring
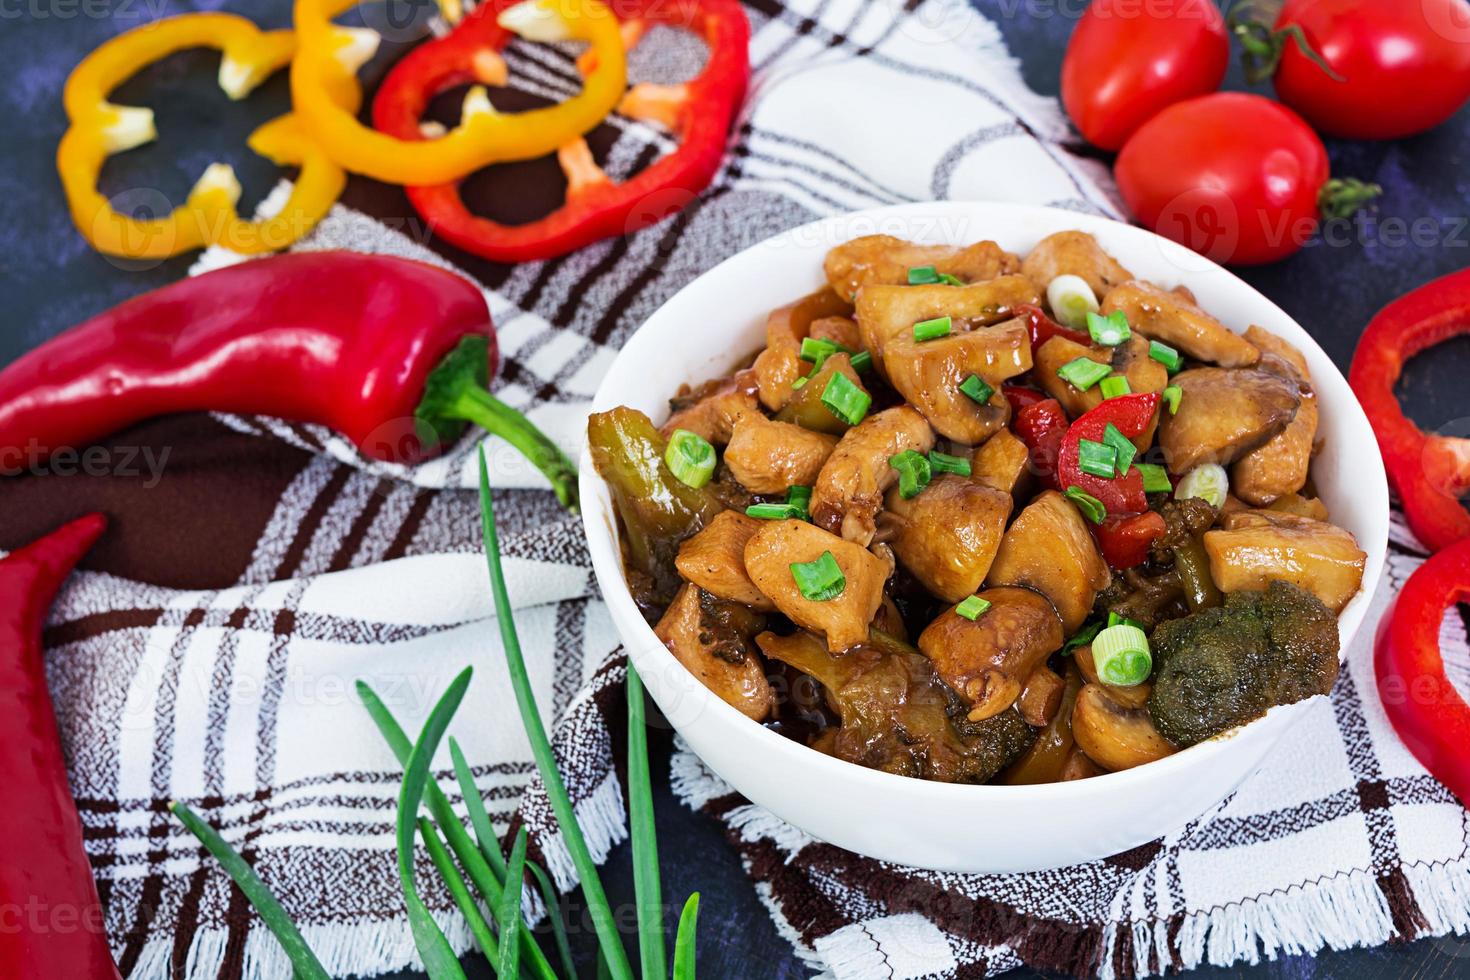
{"x": 208, "y": 217}
{"x": 327, "y": 96}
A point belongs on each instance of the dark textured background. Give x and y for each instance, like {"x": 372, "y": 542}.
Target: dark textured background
{"x": 50, "y": 279}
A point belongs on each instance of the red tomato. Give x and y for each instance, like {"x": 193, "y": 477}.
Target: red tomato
{"x": 1233, "y": 176}
{"x": 1128, "y": 59}
{"x": 1404, "y": 64}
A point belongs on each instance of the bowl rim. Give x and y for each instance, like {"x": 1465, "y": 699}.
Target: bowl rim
{"x": 603, "y": 541}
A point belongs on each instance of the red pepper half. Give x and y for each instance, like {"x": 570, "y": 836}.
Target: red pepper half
{"x": 393, "y": 354}
{"x": 50, "y": 915}
{"x": 699, "y": 112}
{"x": 1041, "y": 425}
{"x": 1125, "y": 542}
{"x": 1424, "y": 707}
{"x": 1430, "y": 473}
{"x": 1043, "y": 328}
{"x": 1132, "y": 414}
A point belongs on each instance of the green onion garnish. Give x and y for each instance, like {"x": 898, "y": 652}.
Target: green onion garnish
{"x": 1165, "y": 355}
{"x": 950, "y": 280}
{"x": 944, "y": 463}
{"x": 691, "y": 458}
{"x": 1124, "y": 447}
{"x": 1091, "y": 507}
{"x": 1172, "y": 394}
{"x": 1155, "y": 478}
{"x": 818, "y": 350}
{"x": 1114, "y": 619}
{"x": 1082, "y": 637}
{"x": 773, "y": 512}
{"x": 1083, "y": 372}
{"x": 800, "y": 383}
{"x": 1097, "y": 459}
{"x": 801, "y": 499}
{"x": 1207, "y": 481}
{"x": 923, "y": 275}
{"x": 846, "y": 400}
{"x": 1110, "y": 330}
{"x": 977, "y": 389}
{"x": 972, "y": 608}
{"x": 820, "y": 580}
{"x": 933, "y": 329}
{"x": 1113, "y": 386}
{"x": 1120, "y": 654}
{"x": 914, "y": 472}
{"x": 862, "y": 363}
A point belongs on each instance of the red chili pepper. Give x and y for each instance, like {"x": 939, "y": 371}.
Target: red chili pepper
{"x": 1421, "y": 702}
{"x": 1043, "y": 328}
{"x": 699, "y": 112}
{"x": 50, "y": 915}
{"x": 1126, "y": 541}
{"x": 393, "y": 354}
{"x": 1132, "y": 414}
{"x": 1041, "y": 426}
{"x": 1430, "y": 473}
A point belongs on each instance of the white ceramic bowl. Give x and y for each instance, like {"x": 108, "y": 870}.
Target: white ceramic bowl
{"x": 717, "y": 321}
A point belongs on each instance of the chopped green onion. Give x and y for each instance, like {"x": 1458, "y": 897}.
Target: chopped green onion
{"x": 933, "y": 329}
{"x": 949, "y": 280}
{"x": 1207, "y": 481}
{"x": 977, "y": 389}
{"x": 923, "y": 275}
{"x": 1165, "y": 355}
{"x": 972, "y": 608}
{"x": 1114, "y": 619}
{"x": 1097, "y": 459}
{"x": 773, "y": 512}
{"x": 862, "y": 362}
{"x": 914, "y": 472}
{"x": 818, "y": 350}
{"x": 944, "y": 463}
{"x": 801, "y": 499}
{"x": 1091, "y": 507}
{"x": 1120, "y": 654}
{"x": 691, "y": 458}
{"x": 1083, "y": 372}
{"x": 1113, "y": 386}
{"x": 819, "y": 580}
{"x": 846, "y": 400}
{"x": 1082, "y": 637}
{"x": 1110, "y": 330}
{"x": 1071, "y": 299}
{"x": 800, "y": 382}
{"x": 1172, "y": 394}
{"x": 1114, "y": 437}
{"x": 1155, "y": 478}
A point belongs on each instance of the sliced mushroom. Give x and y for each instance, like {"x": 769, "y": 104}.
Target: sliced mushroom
{"x": 1041, "y": 697}
{"x": 929, "y": 373}
{"x": 884, "y": 312}
{"x": 780, "y": 364}
{"x": 1256, "y": 547}
{"x": 1114, "y": 735}
{"x": 714, "y": 560}
{"x": 1224, "y": 413}
{"x": 1074, "y": 253}
{"x": 712, "y": 412}
{"x": 849, "y": 491}
{"x": 884, "y": 259}
{"x": 988, "y": 660}
{"x": 1129, "y": 360}
{"x": 686, "y": 631}
{"x": 1000, "y": 462}
{"x": 947, "y": 536}
{"x": 1279, "y": 466}
{"x": 1049, "y": 549}
{"x": 771, "y": 457}
{"x": 843, "y": 619}
{"x": 1175, "y": 320}
{"x": 806, "y": 408}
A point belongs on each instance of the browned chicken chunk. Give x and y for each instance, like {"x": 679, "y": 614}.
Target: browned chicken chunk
{"x": 844, "y": 619}
{"x": 885, "y": 259}
{"x": 849, "y": 491}
{"x": 1279, "y": 465}
{"x": 988, "y": 660}
{"x": 884, "y": 312}
{"x": 696, "y": 636}
{"x": 806, "y": 408}
{"x": 770, "y": 457}
{"x": 841, "y": 330}
{"x": 1129, "y": 360}
{"x": 1175, "y": 320}
{"x": 1049, "y": 549}
{"x": 929, "y": 373}
{"x": 711, "y": 413}
{"x": 1073, "y": 253}
{"x": 1000, "y": 462}
{"x": 1224, "y": 413}
{"x": 780, "y": 364}
{"x": 714, "y": 560}
{"x": 1256, "y": 547}
{"x": 947, "y": 536}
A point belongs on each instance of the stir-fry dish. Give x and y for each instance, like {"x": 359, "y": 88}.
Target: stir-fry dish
{"x": 972, "y": 516}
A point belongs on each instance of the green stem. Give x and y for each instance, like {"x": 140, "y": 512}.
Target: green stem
{"x": 1342, "y": 197}
{"x": 458, "y": 890}
{"x": 478, "y": 406}
{"x": 647, "y": 889}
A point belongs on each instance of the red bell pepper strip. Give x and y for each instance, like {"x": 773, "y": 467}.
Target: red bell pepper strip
{"x": 1041, "y": 426}
{"x": 1132, "y": 414}
{"x": 391, "y": 353}
{"x": 1021, "y": 397}
{"x": 1043, "y": 328}
{"x": 1424, "y": 707}
{"x": 699, "y": 112}
{"x": 1430, "y": 473}
{"x": 50, "y": 915}
{"x": 1125, "y": 542}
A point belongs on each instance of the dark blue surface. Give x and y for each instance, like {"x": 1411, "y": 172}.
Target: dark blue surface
{"x": 51, "y": 279}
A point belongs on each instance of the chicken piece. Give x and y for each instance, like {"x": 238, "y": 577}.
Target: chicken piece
{"x": 1256, "y": 547}
{"x": 1295, "y": 503}
{"x": 1279, "y": 466}
{"x": 714, "y": 560}
{"x": 947, "y": 536}
{"x": 844, "y": 619}
{"x": 988, "y": 660}
{"x": 1224, "y": 413}
{"x": 884, "y": 312}
{"x": 1114, "y": 735}
{"x": 1074, "y": 253}
{"x": 1129, "y": 360}
{"x": 1269, "y": 344}
{"x": 717, "y": 652}
{"x": 806, "y": 408}
{"x": 780, "y": 364}
{"x": 887, "y": 260}
{"x": 1000, "y": 462}
{"x": 712, "y": 412}
{"x": 841, "y": 330}
{"x": 929, "y": 373}
{"x": 771, "y": 457}
{"x": 1049, "y": 549}
{"x": 849, "y": 491}
{"x": 1175, "y": 320}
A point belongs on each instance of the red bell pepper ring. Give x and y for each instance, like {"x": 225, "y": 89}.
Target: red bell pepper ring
{"x": 1132, "y": 414}
{"x": 1430, "y": 473}
{"x": 1125, "y": 542}
{"x": 1428, "y": 713}
{"x": 1042, "y": 328}
{"x": 699, "y": 112}
{"x": 1041, "y": 425}
{"x": 50, "y": 915}
{"x": 393, "y": 354}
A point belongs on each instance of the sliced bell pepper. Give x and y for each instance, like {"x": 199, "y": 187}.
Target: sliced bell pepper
{"x": 1041, "y": 425}
{"x": 1430, "y": 473}
{"x": 1420, "y": 700}
{"x": 1020, "y": 396}
{"x": 1043, "y": 328}
{"x": 208, "y": 217}
{"x": 1125, "y": 542}
{"x": 699, "y": 112}
{"x": 1132, "y": 414}
{"x": 327, "y": 94}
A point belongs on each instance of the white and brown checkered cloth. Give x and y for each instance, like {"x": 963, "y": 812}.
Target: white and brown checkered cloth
{"x": 209, "y": 652}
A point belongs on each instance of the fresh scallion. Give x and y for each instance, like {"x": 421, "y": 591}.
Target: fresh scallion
{"x": 1082, "y": 637}
{"x": 684, "y": 939}
{"x": 508, "y": 915}
{"x": 1172, "y": 394}
{"x": 458, "y": 890}
{"x": 817, "y": 349}
{"x": 972, "y": 608}
{"x": 1165, "y": 355}
{"x": 1207, "y": 481}
{"x": 846, "y": 400}
{"x": 977, "y": 389}
{"x": 1155, "y": 478}
{"x": 1071, "y": 299}
{"x": 933, "y": 329}
{"x": 773, "y": 512}
{"x": 862, "y": 362}
{"x": 923, "y": 275}
{"x": 914, "y": 472}
{"x": 1114, "y": 385}
{"x": 1083, "y": 372}
{"x": 1111, "y": 330}
{"x": 1097, "y": 459}
{"x": 800, "y": 382}
{"x": 949, "y": 280}
{"x": 1122, "y": 445}
{"x": 801, "y": 499}
{"x": 691, "y": 458}
{"x": 1091, "y": 507}
{"x": 647, "y": 887}
{"x": 820, "y": 580}
{"x": 1121, "y": 656}
{"x": 1114, "y": 619}
{"x": 944, "y": 463}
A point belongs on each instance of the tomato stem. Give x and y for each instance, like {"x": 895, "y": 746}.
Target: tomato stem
{"x": 1263, "y": 45}
{"x": 1343, "y": 197}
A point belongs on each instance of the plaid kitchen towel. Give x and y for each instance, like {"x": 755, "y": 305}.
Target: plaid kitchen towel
{"x": 256, "y": 568}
